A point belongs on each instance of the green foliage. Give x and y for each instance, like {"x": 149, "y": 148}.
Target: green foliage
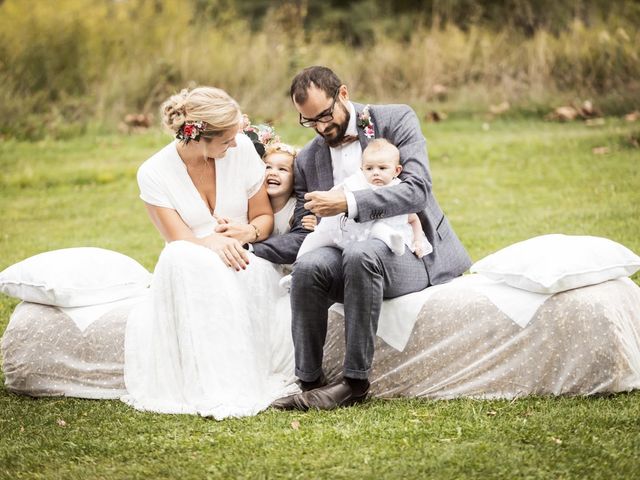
{"x": 71, "y": 65}
{"x": 498, "y": 185}
{"x": 537, "y": 438}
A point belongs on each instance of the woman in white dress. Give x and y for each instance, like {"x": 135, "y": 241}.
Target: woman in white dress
{"x": 204, "y": 343}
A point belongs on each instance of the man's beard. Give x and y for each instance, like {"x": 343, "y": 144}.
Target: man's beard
{"x": 341, "y": 129}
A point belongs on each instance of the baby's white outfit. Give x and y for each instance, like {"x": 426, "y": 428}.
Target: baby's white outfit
{"x": 341, "y": 231}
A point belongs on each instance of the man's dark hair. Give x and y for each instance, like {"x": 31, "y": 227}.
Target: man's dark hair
{"x": 321, "y": 77}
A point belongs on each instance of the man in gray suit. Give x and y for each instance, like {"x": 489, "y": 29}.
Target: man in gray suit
{"x": 366, "y": 272}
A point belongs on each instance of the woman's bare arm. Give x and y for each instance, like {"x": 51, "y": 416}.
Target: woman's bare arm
{"x": 172, "y": 228}
{"x": 260, "y": 221}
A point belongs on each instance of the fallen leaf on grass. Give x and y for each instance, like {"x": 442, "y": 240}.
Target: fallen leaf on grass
{"x": 434, "y": 116}
{"x": 633, "y": 116}
{"x": 600, "y": 150}
{"x": 567, "y": 113}
{"x": 295, "y": 425}
{"x": 135, "y": 123}
{"x": 144, "y": 120}
{"x": 564, "y": 114}
{"x": 557, "y": 441}
{"x": 61, "y": 422}
{"x": 587, "y": 110}
{"x": 21, "y": 429}
{"x": 492, "y": 413}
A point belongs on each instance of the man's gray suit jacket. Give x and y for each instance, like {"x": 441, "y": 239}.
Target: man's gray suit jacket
{"x": 313, "y": 171}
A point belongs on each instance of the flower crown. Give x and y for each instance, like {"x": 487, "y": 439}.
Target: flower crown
{"x": 191, "y": 130}
{"x": 281, "y": 147}
{"x": 261, "y": 135}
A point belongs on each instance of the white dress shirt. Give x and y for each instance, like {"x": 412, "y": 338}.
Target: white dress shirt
{"x": 346, "y": 160}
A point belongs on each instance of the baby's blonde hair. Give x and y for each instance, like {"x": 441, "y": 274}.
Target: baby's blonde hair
{"x": 207, "y": 104}
{"x": 382, "y": 146}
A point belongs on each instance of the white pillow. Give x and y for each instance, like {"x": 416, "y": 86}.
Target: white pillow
{"x": 75, "y": 277}
{"x": 555, "y": 263}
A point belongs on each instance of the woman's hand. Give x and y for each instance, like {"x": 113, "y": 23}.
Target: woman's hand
{"x": 242, "y": 232}
{"x": 309, "y": 222}
{"x": 222, "y": 219}
{"x": 228, "y": 249}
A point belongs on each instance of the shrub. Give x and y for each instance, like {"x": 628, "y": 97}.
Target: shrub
{"x": 64, "y": 64}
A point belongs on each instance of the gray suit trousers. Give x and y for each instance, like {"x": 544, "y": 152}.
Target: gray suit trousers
{"x": 360, "y": 277}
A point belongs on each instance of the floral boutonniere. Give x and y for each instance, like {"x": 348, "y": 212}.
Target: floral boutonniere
{"x": 364, "y": 122}
{"x": 190, "y": 131}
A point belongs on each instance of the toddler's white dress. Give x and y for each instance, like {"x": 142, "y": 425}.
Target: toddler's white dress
{"x": 282, "y": 219}
{"x": 208, "y": 340}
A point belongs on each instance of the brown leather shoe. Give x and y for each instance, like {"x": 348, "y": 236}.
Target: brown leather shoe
{"x": 292, "y": 402}
{"x": 336, "y": 395}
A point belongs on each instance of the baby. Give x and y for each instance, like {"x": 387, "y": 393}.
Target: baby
{"x": 380, "y": 169}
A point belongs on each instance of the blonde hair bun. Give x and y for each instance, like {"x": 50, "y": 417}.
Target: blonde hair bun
{"x": 173, "y": 112}
{"x": 206, "y": 104}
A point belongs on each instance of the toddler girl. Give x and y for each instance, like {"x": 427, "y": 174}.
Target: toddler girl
{"x": 279, "y": 158}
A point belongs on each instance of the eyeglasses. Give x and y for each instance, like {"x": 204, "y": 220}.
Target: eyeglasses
{"x": 324, "y": 117}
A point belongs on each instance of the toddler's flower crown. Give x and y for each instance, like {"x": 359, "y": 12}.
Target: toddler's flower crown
{"x": 281, "y": 147}
{"x": 264, "y": 138}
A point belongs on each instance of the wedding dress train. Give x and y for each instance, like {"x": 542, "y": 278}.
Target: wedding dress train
{"x": 208, "y": 340}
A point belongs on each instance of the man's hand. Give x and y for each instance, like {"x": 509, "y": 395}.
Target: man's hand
{"x": 326, "y": 204}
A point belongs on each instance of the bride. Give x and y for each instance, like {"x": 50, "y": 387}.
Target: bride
{"x": 207, "y": 340}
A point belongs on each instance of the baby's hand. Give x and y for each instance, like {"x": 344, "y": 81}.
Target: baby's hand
{"x": 309, "y": 222}
{"x": 418, "y": 250}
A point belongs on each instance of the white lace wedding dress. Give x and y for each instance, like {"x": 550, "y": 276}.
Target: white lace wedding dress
{"x": 208, "y": 340}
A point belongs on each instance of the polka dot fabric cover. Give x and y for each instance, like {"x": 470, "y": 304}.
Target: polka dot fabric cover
{"x": 45, "y": 354}
{"x": 581, "y": 342}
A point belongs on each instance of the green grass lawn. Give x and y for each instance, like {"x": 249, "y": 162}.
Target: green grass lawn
{"x": 518, "y": 179}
